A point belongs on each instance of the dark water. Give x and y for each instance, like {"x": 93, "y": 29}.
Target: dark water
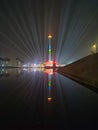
{"x": 34, "y": 99}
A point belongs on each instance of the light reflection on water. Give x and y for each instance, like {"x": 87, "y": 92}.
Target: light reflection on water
{"x": 41, "y": 97}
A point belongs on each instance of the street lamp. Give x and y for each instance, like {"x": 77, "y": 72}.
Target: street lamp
{"x": 94, "y": 48}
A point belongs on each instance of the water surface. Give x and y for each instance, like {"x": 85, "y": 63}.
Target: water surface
{"x": 34, "y": 98}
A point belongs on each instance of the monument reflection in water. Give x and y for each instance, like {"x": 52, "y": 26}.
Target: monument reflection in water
{"x": 50, "y": 74}
{"x": 26, "y": 96}
{"x": 42, "y": 97}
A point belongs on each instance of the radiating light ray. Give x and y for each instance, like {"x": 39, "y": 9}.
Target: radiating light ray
{"x": 76, "y": 38}
{"x": 81, "y": 35}
{"x": 31, "y": 44}
{"x": 64, "y": 24}
{"x": 27, "y": 24}
{"x": 14, "y": 31}
{"x": 25, "y": 31}
{"x": 13, "y": 44}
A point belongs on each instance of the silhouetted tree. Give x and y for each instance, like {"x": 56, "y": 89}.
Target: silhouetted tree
{"x": 19, "y": 61}
{"x": 1, "y": 61}
{"x": 7, "y": 60}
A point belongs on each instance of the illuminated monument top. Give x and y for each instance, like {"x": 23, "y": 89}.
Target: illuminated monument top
{"x": 50, "y": 63}
{"x": 49, "y": 48}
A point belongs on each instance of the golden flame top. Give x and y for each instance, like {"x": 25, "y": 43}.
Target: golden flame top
{"x": 49, "y": 36}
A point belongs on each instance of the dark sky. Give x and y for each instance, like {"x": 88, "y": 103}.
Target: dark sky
{"x": 25, "y": 25}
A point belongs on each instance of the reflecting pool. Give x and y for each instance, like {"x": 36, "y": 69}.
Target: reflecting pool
{"x": 43, "y": 99}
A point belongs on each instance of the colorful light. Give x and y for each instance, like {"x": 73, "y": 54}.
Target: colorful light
{"x": 50, "y": 63}
{"x": 49, "y": 36}
{"x": 49, "y": 99}
{"x": 49, "y": 47}
{"x": 49, "y": 51}
{"x": 49, "y": 71}
{"x": 49, "y": 88}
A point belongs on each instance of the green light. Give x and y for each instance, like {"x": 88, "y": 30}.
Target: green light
{"x": 49, "y": 83}
{"x": 49, "y": 51}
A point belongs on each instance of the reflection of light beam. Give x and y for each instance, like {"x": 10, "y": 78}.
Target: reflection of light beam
{"x": 49, "y": 99}
{"x": 33, "y": 69}
{"x": 49, "y": 88}
{"x": 49, "y": 71}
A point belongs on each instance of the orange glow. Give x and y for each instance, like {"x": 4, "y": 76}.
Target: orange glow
{"x": 49, "y": 36}
{"x": 49, "y": 71}
{"x": 94, "y": 46}
{"x": 50, "y": 63}
{"x": 49, "y": 99}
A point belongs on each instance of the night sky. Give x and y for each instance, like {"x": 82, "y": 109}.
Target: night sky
{"x": 25, "y": 25}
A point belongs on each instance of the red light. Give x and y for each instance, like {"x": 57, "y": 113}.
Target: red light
{"x": 50, "y": 63}
{"x": 54, "y": 62}
{"x": 49, "y": 71}
{"x": 49, "y": 99}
